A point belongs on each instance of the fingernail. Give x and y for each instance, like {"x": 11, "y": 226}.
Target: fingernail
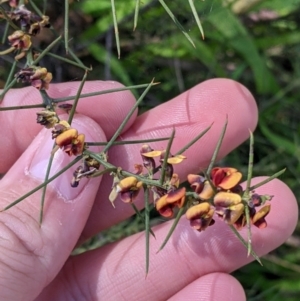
{"x": 40, "y": 160}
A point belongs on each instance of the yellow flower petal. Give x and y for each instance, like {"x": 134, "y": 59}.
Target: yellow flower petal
{"x": 176, "y": 160}
{"x": 207, "y": 192}
{"x": 197, "y": 210}
{"x": 226, "y": 199}
{"x": 152, "y": 154}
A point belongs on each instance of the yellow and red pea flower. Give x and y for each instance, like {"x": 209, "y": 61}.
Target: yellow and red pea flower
{"x": 197, "y": 182}
{"x": 200, "y": 216}
{"x": 259, "y": 217}
{"x": 225, "y": 178}
{"x": 201, "y": 186}
{"x": 229, "y": 206}
{"x": 128, "y": 188}
{"x": 70, "y": 142}
{"x": 148, "y": 154}
{"x": 174, "y": 198}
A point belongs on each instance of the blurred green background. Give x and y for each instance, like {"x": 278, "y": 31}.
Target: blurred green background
{"x": 256, "y": 42}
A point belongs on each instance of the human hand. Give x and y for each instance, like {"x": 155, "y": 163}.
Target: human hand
{"x": 35, "y": 262}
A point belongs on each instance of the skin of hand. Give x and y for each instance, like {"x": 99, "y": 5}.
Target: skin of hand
{"x": 35, "y": 262}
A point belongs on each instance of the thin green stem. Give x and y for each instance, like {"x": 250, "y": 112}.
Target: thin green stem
{"x": 4, "y": 36}
{"x": 126, "y": 141}
{"x": 123, "y": 124}
{"x": 44, "y": 6}
{"x": 7, "y": 87}
{"x": 173, "y": 227}
{"x": 79, "y": 62}
{"x": 276, "y": 175}
{"x": 246, "y": 195}
{"x": 22, "y": 107}
{"x": 46, "y": 50}
{"x": 73, "y": 110}
{"x": 218, "y": 146}
{"x": 45, "y": 187}
{"x": 239, "y": 236}
{"x": 147, "y": 227}
{"x": 192, "y": 5}
{"x": 248, "y": 222}
{"x": 7, "y": 18}
{"x": 66, "y": 26}
{"x": 11, "y": 73}
{"x": 63, "y": 99}
{"x": 47, "y": 101}
{"x": 102, "y": 172}
{"x": 80, "y": 65}
{"x": 124, "y": 173}
{"x": 138, "y": 213}
{"x": 164, "y": 5}
{"x": 250, "y": 164}
{"x": 188, "y": 145}
{"x": 37, "y": 10}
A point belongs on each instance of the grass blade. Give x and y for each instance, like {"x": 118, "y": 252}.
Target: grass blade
{"x": 191, "y": 2}
{"x": 164, "y": 5}
{"x": 116, "y": 27}
{"x": 136, "y": 13}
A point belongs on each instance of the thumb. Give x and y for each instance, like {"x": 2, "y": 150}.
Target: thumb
{"x": 30, "y": 255}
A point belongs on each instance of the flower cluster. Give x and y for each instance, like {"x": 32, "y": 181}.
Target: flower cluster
{"x": 217, "y": 194}
{"x": 66, "y": 138}
{"x": 29, "y": 22}
{"x": 20, "y": 40}
{"x": 167, "y": 196}
{"x": 223, "y": 195}
{"x": 72, "y": 143}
